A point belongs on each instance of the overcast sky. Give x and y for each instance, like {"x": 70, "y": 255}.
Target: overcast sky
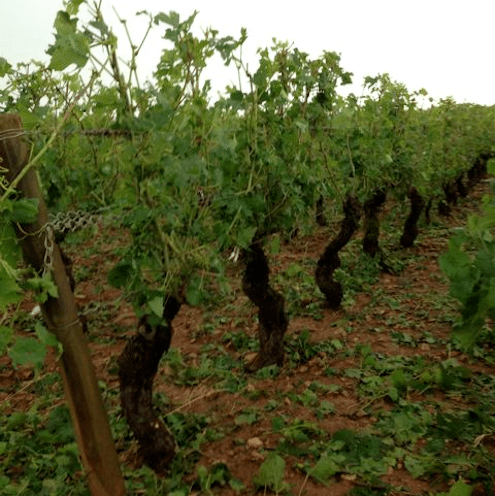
{"x": 444, "y": 46}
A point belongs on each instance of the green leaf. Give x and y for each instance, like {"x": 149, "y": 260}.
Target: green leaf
{"x": 399, "y": 379}
{"x": 172, "y": 19}
{"x": 28, "y": 351}
{"x": 58, "y": 428}
{"x": 156, "y": 305}
{"x": 236, "y": 485}
{"x": 466, "y": 333}
{"x": 70, "y": 47}
{"x": 73, "y": 6}
{"x": 10, "y": 293}
{"x": 16, "y": 420}
{"x": 393, "y": 394}
{"x": 5, "y": 338}
{"x": 455, "y": 263}
{"x": 460, "y": 489}
{"x": 218, "y": 474}
{"x": 68, "y": 51}
{"x": 417, "y": 466}
{"x": 325, "y": 408}
{"x": 46, "y": 337}
{"x": 120, "y": 275}
{"x": 179, "y": 492}
{"x": 9, "y": 246}
{"x": 274, "y": 245}
{"x": 100, "y": 26}
{"x": 194, "y": 294}
{"x": 44, "y": 286}
{"x": 278, "y": 423}
{"x": 24, "y": 211}
{"x": 5, "y": 67}
{"x": 246, "y": 418}
{"x": 271, "y": 474}
{"x": 245, "y": 236}
{"x": 106, "y": 97}
{"x": 325, "y": 468}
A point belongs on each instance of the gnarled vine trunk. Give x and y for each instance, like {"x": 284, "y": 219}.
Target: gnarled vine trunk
{"x": 444, "y": 209}
{"x": 411, "y": 225}
{"x": 428, "y": 206}
{"x": 479, "y": 168}
{"x": 451, "y": 193}
{"x": 272, "y": 318}
{"x": 372, "y": 222}
{"x": 138, "y": 365}
{"x": 320, "y": 214}
{"x": 462, "y": 189}
{"x": 330, "y": 261}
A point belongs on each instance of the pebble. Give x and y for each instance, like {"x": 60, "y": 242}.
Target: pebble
{"x": 249, "y": 357}
{"x": 349, "y": 477}
{"x": 255, "y": 443}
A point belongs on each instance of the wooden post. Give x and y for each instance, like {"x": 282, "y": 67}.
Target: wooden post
{"x": 89, "y": 417}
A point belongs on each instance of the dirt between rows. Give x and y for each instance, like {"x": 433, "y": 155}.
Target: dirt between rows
{"x": 363, "y": 321}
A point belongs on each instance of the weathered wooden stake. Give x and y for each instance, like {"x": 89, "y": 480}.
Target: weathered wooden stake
{"x": 89, "y": 418}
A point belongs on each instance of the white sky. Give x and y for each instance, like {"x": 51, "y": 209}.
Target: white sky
{"x": 445, "y": 46}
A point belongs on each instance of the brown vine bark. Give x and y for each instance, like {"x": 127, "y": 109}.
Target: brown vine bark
{"x": 273, "y": 321}
{"x": 89, "y": 419}
{"x": 428, "y": 206}
{"x": 330, "y": 261}
{"x": 462, "y": 189}
{"x": 138, "y": 364}
{"x": 372, "y": 222}
{"x": 451, "y": 193}
{"x": 320, "y": 214}
{"x": 410, "y": 232}
{"x": 444, "y": 209}
{"x": 479, "y": 169}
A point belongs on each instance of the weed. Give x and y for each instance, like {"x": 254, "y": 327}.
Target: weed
{"x": 247, "y": 417}
{"x": 302, "y": 296}
{"x": 217, "y": 474}
{"x": 271, "y": 475}
{"x": 46, "y": 456}
{"x": 240, "y": 341}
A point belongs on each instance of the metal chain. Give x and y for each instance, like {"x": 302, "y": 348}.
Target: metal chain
{"x": 72, "y": 221}
{"x": 64, "y": 222}
{"x": 49, "y": 246}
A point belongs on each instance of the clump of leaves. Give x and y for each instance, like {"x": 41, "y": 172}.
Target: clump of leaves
{"x": 470, "y": 265}
{"x": 358, "y": 273}
{"x": 271, "y": 475}
{"x": 30, "y": 351}
{"x": 57, "y": 463}
{"x": 299, "y": 347}
{"x": 362, "y": 454}
{"x": 301, "y": 293}
{"x": 217, "y": 475}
